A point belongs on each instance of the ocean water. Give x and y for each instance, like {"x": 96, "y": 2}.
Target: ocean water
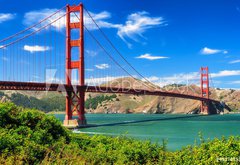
{"x": 178, "y": 130}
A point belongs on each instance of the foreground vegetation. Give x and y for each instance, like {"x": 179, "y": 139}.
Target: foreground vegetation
{"x": 30, "y": 137}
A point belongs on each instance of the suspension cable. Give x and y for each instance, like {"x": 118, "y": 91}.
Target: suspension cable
{"x": 34, "y": 32}
{"x": 211, "y": 80}
{"x": 18, "y": 33}
{"x": 114, "y": 47}
{"x": 30, "y": 34}
{"x": 109, "y": 55}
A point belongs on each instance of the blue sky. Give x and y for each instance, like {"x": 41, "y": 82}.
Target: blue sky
{"x": 165, "y": 40}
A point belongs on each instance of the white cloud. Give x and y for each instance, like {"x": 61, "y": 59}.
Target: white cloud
{"x": 207, "y": 51}
{"x": 6, "y": 16}
{"x": 154, "y": 79}
{"x": 190, "y": 78}
{"x": 196, "y": 75}
{"x": 100, "y": 19}
{"x": 225, "y": 73}
{"x": 234, "y": 61}
{"x": 134, "y": 27}
{"x": 102, "y": 66}
{"x": 35, "y": 48}
{"x": 182, "y": 78}
{"x": 33, "y": 17}
{"x": 136, "y": 24}
{"x": 150, "y": 57}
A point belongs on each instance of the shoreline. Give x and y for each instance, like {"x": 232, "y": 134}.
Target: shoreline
{"x": 63, "y": 112}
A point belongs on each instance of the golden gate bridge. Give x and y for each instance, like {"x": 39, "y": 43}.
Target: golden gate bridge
{"x": 35, "y": 59}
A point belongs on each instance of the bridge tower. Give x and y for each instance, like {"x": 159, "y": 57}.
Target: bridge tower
{"x": 75, "y": 98}
{"x": 204, "y": 89}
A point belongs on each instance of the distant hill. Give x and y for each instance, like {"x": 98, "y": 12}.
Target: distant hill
{"x": 159, "y": 104}
{"x": 121, "y": 103}
{"x": 44, "y": 101}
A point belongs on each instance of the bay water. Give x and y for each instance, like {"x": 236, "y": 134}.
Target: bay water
{"x": 178, "y": 130}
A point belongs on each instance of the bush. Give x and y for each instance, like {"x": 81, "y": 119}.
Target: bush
{"x": 28, "y": 136}
{"x": 27, "y": 133}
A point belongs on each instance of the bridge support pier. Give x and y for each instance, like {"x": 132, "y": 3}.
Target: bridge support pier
{"x": 205, "y": 107}
{"x": 75, "y": 97}
{"x": 75, "y": 107}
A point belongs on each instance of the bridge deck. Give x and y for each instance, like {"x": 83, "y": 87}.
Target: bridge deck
{"x": 33, "y": 86}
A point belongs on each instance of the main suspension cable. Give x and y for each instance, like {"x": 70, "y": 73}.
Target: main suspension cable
{"x": 114, "y": 47}
{"x": 104, "y": 49}
{"x": 18, "y": 33}
{"x": 30, "y": 34}
{"x": 34, "y": 32}
{"x": 211, "y": 80}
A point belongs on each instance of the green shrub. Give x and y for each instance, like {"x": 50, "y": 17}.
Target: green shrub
{"x": 28, "y": 136}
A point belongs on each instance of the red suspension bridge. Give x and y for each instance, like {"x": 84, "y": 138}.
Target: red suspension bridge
{"x": 35, "y": 59}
